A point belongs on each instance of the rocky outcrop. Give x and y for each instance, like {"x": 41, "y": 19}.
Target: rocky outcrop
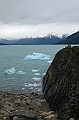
{"x": 61, "y": 84}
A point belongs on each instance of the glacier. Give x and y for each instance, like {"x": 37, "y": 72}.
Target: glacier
{"x": 40, "y": 56}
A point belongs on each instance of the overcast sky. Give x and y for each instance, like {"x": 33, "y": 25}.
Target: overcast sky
{"x": 32, "y": 18}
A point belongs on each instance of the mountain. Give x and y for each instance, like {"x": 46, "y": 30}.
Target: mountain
{"x": 5, "y": 41}
{"x": 2, "y": 44}
{"x": 72, "y": 39}
{"x": 49, "y": 39}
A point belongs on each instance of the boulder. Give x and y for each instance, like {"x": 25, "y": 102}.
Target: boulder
{"x": 27, "y": 115}
{"x": 61, "y": 83}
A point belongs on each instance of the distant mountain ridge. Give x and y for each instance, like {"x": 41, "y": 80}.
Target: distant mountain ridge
{"x": 72, "y": 39}
{"x": 39, "y": 40}
{"x": 2, "y": 44}
{"x": 5, "y": 41}
{"x": 49, "y": 39}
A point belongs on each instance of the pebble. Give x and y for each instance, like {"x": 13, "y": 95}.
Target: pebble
{"x": 16, "y": 118}
{"x": 71, "y": 119}
{"x": 20, "y": 106}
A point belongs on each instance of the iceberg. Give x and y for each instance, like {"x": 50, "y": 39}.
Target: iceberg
{"x": 10, "y": 71}
{"x": 40, "y": 56}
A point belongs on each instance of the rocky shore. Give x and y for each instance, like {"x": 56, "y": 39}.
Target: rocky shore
{"x": 29, "y": 106}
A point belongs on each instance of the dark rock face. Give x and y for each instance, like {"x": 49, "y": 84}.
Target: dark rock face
{"x": 61, "y": 83}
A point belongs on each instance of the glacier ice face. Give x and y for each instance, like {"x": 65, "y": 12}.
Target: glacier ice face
{"x": 40, "y": 56}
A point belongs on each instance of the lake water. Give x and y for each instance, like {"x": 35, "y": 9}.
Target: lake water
{"x": 23, "y": 67}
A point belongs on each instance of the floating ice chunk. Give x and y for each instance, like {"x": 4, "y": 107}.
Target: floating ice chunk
{"x": 23, "y": 88}
{"x": 36, "y": 85}
{"x": 44, "y": 73}
{"x": 37, "y": 73}
{"x": 34, "y": 70}
{"x": 31, "y": 88}
{"x": 38, "y": 56}
{"x": 49, "y": 61}
{"x": 26, "y": 85}
{"x": 36, "y": 78}
{"x": 38, "y": 89}
{"x": 32, "y": 85}
{"x": 10, "y": 71}
{"x": 21, "y": 72}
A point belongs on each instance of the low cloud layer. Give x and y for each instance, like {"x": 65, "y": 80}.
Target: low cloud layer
{"x": 26, "y": 18}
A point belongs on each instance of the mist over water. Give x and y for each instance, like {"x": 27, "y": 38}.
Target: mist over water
{"x": 23, "y": 67}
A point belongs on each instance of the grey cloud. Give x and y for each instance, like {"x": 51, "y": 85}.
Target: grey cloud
{"x": 39, "y": 11}
{"x": 21, "y": 18}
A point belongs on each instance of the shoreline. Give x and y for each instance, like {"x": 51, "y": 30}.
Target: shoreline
{"x": 24, "y": 106}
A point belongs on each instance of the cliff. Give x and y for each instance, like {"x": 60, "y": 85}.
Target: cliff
{"x": 61, "y": 83}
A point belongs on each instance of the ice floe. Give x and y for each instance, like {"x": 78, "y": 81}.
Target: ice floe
{"x": 37, "y": 74}
{"x": 21, "y": 72}
{"x": 13, "y": 70}
{"x": 32, "y": 85}
{"x": 36, "y": 78}
{"x": 35, "y": 70}
{"x": 44, "y": 73}
{"x": 38, "y": 89}
{"x": 40, "y": 56}
{"x": 10, "y": 71}
{"x": 23, "y": 88}
{"x": 31, "y": 88}
{"x": 49, "y": 61}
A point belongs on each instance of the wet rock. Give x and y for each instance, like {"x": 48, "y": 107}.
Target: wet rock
{"x": 21, "y": 106}
{"x": 28, "y": 115}
{"x": 71, "y": 119}
{"x": 5, "y": 118}
{"x": 3, "y": 112}
{"x": 61, "y": 83}
{"x": 44, "y": 114}
{"x": 51, "y": 117}
{"x": 16, "y": 118}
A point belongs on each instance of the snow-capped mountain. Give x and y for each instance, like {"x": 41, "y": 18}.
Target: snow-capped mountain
{"x": 49, "y": 39}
